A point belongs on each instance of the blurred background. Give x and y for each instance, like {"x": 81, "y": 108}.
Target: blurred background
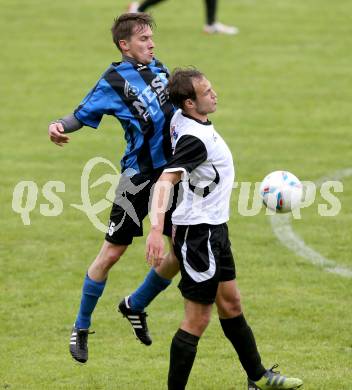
{"x": 284, "y": 102}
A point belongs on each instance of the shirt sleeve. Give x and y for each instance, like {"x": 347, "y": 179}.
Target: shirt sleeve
{"x": 70, "y": 123}
{"x": 102, "y": 99}
{"x": 190, "y": 152}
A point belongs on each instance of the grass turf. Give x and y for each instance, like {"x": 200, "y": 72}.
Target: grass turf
{"x": 284, "y": 94}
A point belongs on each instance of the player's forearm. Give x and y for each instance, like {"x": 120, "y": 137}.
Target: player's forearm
{"x": 171, "y": 177}
{"x": 157, "y": 223}
{"x": 70, "y": 123}
{"x": 159, "y": 206}
{"x": 161, "y": 198}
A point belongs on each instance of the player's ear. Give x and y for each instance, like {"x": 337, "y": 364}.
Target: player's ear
{"x": 189, "y": 103}
{"x": 124, "y": 45}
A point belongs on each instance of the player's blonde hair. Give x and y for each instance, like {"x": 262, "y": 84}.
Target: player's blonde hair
{"x": 128, "y": 24}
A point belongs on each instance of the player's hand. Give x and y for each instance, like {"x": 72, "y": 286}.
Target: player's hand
{"x": 154, "y": 248}
{"x": 56, "y": 134}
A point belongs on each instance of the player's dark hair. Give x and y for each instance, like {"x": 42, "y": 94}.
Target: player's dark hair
{"x": 181, "y": 85}
{"x": 124, "y": 26}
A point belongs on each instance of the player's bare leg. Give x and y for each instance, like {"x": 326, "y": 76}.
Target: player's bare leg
{"x": 170, "y": 266}
{"x": 109, "y": 255}
{"x": 228, "y": 300}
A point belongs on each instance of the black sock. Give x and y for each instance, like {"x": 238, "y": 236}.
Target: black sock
{"x": 211, "y": 6}
{"x": 241, "y": 336}
{"x": 148, "y": 3}
{"x": 182, "y": 354}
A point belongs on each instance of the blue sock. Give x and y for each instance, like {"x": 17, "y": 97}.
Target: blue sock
{"x": 91, "y": 292}
{"x": 152, "y": 285}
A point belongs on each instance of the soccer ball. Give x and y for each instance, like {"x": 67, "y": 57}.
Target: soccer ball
{"x": 281, "y": 191}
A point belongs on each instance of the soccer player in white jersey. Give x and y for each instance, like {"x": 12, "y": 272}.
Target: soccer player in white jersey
{"x": 202, "y": 160}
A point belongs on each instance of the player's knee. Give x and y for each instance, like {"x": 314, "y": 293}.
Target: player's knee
{"x": 230, "y": 307}
{"x": 169, "y": 267}
{"x": 110, "y": 254}
{"x": 197, "y": 324}
{"x": 204, "y": 320}
{"x": 236, "y": 304}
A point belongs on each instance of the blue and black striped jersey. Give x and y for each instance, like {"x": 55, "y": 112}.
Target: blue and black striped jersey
{"x": 136, "y": 95}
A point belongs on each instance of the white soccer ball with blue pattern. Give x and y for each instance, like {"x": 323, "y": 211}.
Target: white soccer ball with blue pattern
{"x": 281, "y": 191}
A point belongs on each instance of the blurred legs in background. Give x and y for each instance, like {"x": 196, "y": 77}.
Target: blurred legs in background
{"x": 211, "y": 26}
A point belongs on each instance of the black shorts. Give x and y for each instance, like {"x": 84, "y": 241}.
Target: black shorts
{"x": 131, "y": 206}
{"x": 205, "y": 256}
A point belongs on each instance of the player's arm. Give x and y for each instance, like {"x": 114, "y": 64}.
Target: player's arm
{"x": 189, "y": 153}
{"x": 160, "y": 201}
{"x": 58, "y": 129}
{"x": 100, "y": 100}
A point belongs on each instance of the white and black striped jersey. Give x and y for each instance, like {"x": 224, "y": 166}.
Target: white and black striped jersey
{"x": 208, "y": 171}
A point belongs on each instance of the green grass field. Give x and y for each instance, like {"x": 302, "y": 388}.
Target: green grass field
{"x": 284, "y": 90}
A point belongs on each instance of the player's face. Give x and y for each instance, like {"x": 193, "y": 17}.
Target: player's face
{"x": 141, "y": 45}
{"x": 206, "y": 99}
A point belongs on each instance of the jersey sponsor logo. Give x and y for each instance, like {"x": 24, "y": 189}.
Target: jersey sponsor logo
{"x": 143, "y": 101}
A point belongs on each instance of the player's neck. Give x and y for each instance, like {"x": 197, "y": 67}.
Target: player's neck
{"x": 196, "y": 116}
{"x": 129, "y": 59}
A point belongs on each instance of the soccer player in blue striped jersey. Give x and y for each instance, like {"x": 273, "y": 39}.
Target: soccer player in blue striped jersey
{"x": 135, "y": 92}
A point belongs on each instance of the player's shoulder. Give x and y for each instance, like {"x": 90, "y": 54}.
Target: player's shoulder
{"x": 156, "y": 62}
{"x": 182, "y": 126}
{"x": 117, "y": 66}
{"x": 177, "y": 116}
{"x": 104, "y": 81}
{"x": 158, "y": 67}
{"x": 110, "y": 70}
{"x": 178, "y": 121}
{"x": 192, "y": 126}
{"x": 112, "y": 76}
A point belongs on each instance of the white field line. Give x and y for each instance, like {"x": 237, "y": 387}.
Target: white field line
{"x": 282, "y": 228}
